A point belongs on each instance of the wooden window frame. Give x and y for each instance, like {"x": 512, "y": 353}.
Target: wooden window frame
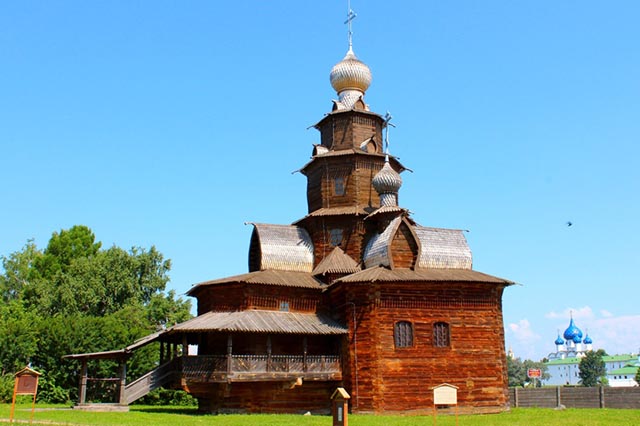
{"x": 403, "y": 334}
{"x": 336, "y": 236}
{"x": 441, "y": 334}
{"x": 339, "y": 186}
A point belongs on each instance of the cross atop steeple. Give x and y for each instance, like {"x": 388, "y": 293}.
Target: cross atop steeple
{"x": 351, "y": 15}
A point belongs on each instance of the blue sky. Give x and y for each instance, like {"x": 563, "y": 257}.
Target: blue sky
{"x": 172, "y": 123}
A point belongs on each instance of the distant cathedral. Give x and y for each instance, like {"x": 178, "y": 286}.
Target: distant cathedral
{"x": 573, "y": 345}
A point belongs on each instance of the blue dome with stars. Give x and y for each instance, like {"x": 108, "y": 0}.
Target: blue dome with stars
{"x": 559, "y": 340}
{"x": 573, "y": 333}
{"x": 587, "y": 340}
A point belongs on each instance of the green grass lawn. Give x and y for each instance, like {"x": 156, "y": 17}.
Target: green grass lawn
{"x": 172, "y": 416}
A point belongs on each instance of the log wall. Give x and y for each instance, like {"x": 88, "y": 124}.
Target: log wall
{"x": 265, "y": 397}
{"x": 398, "y": 379}
{"x": 232, "y": 297}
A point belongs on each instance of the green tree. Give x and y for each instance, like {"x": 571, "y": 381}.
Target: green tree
{"x": 75, "y": 297}
{"x": 637, "y": 378}
{"x": 592, "y": 369}
{"x": 20, "y": 276}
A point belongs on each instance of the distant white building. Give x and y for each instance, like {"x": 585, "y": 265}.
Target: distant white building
{"x": 563, "y": 365}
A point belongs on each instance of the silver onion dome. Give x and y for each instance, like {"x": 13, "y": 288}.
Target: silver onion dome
{"x": 350, "y": 78}
{"x": 387, "y": 183}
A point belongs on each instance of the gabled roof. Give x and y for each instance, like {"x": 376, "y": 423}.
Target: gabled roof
{"x": 280, "y": 247}
{"x": 258, "y": 321}
{"x": 381, "y": 274}
{"x": 269, "y": 277}
{"x": 337, "y": 262}
{"x": 443, "y": 248}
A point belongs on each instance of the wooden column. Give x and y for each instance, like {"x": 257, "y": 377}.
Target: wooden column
{"x": 167, "y": 355}
{"x": 305, "y": 347}
{"x": 185, "y": 346}
{"x": 161, "y": 353}
{"x": 82, "y": 391}
{"x": 229, "y": 353}
{"x": 269, "y": 360}
{"x": 122, "y": 400}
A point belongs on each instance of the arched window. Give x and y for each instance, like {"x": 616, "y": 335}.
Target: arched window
{"x": 441, "y": 337}
{"x": 403, "y": 334}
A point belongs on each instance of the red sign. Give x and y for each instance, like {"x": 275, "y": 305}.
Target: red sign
{"x": 534, "y": 372}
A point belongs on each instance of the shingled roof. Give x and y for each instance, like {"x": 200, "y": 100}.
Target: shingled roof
{"x": 258, "y": 321}
{"x": 443, "y": 248}
{"x": 382, "y": 274}
{"x": 280, "y": 247}
{"x": 377, "y": 250}
{"x": 269, "y": 277}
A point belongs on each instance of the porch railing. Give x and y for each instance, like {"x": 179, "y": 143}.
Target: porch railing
{"x": 202, "y": 366}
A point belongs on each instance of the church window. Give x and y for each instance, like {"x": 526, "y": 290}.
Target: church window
{"x": 338, "y": 186}
{"x": 441, "y": 338}
{"x": 403, "y": 334}
{"x": 336, "y": 237}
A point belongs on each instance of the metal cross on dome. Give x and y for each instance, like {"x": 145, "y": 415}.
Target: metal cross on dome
{"x": 351, "y": 15}
{"x": 387, "y": 123}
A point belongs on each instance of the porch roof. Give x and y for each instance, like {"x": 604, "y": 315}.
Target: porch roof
{"x": 259, "y": 321}
{"x": 119, "y": 353}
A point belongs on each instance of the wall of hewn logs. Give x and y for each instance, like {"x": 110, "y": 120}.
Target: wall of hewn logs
{"x": 388, "y": 378}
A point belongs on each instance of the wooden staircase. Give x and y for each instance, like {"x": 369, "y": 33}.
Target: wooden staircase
{"x": 161, "y": 376}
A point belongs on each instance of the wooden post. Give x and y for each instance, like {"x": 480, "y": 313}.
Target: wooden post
{"x": 269, "y": 359}
{"x": 161, "y": 353}
{"x": 122, "y": 400}
{"x": 515, "y": 396}
{"x": 185, "y": 345}
{"x": 229, "y": 352}
{"x": 304, "y": 353}
{"x": 82, "y": 397}
{"x": 558, "y": 401}
{"x": 601, "y": 395}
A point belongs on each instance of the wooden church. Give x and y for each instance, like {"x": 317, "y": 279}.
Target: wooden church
{"x": 355, "y": 294}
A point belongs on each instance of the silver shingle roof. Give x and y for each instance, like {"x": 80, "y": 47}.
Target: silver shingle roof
{"x": 282, "y": 247}
{"x": 377, "y": 250}
{"x": 443, "y": 248}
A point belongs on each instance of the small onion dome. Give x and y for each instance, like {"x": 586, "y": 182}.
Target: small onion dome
{"x": 387, "y": 183}
{"x": 559, "y": 340}
{"x": 587, "y": 340}
{"x": 577, "y": 339}
{"x": 572, "y": 332}
{"x": 350, "y": 74}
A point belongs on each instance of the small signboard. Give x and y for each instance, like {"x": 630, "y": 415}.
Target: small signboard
{"x": 534, "y": 373}
{"x": 26, "y": 384}
{"x": 445, "y": 394}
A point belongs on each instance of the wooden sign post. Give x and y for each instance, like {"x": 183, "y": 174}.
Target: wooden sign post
{"x": 26, "y": 384}
{"x": 445, "y": 394}
{"x": 340, "y": 407}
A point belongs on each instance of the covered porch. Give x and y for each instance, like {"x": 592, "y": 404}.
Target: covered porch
{"x": 226, "y": 348}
